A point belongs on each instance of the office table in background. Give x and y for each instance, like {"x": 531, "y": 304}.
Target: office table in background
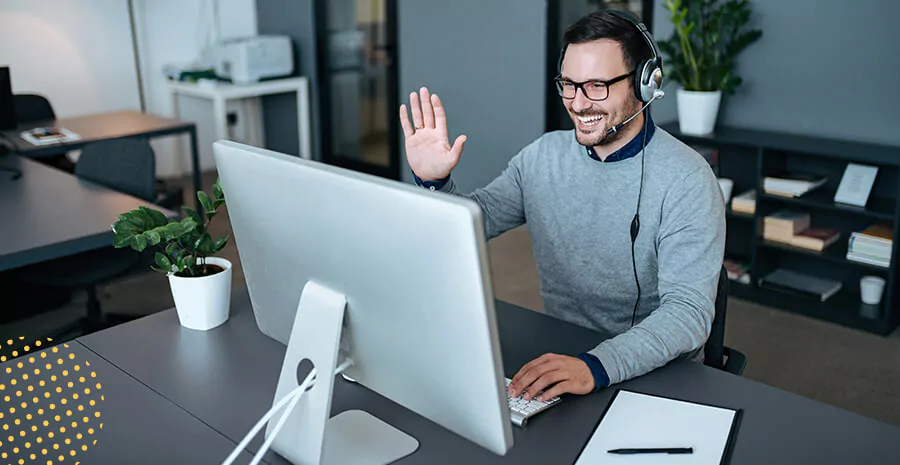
{"x": 49, "y": 214}
{"x": 106, "y": 126}
{"x": 226, "y": 377}
{"x": 221, "y": 92}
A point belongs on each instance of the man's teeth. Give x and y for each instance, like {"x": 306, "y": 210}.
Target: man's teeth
{"x": 589, "y": 119}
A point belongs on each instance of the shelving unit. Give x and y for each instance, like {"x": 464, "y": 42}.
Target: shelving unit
{"x": 747, "y": 157}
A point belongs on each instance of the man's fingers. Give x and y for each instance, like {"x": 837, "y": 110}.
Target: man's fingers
{"x": 404, "y": 122}
{"x": 516, "y": 386}
{"x": 440, "y": 115}
{"x": 528, "y": 378}
{"x": 427, "y": 109}
{"x": 458, "y": 146}
{"x": 416, "y": 108}
{"x": 559, "y": 389}
{"x": 548, "y": 379}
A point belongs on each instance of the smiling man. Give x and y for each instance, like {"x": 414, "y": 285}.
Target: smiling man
{"x": 627, "y": 223}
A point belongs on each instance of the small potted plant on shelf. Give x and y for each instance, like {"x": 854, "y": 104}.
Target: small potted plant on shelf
{"x": 200, "y": 282}
{"x": 701, "y": 53}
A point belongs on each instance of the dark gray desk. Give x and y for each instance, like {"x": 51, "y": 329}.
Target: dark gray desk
{"x": 139, "y": 426}
{"x": 48, "y": 214}
{"x": 105, "y": 126}
{"x": 227, "y": 377}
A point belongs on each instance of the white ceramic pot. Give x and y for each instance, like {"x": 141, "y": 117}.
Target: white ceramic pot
{"x": 203, "y": 303}
{"x": 697, "y": 111}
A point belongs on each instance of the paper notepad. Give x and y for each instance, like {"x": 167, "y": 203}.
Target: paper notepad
{"x": 636, "y": 420}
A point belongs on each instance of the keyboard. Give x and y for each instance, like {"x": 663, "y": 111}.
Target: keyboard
{"x": 520, "y": 410}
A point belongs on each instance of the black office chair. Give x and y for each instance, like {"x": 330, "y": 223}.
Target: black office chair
{"x": 36, "y": 109}
{"x": 126, "y": 165}
{"x": 716, "y": 353}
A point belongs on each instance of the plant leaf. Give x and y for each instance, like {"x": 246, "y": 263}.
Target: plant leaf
{"x": 217, "y": 191}
{"x": 163, "y": 261}
{"x": 205, "y": 201}
{"x": 158, "y": 218}
{"x": 219, "y": 244}
{"x": 191, "y": 213}
{"x": 140, "y": 243}
{"x": 153, "y": 237}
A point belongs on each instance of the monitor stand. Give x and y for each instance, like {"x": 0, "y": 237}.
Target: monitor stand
{"x": 309, "y": 436}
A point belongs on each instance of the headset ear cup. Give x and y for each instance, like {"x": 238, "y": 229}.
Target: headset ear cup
{"x": 639, "y": 75}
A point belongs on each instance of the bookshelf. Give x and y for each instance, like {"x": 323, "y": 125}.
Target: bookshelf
{"x": 747, "y": 157}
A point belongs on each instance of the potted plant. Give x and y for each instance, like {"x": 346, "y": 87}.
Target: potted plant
{"x": 200, "y": 283}
{"x": 700, "y": 56}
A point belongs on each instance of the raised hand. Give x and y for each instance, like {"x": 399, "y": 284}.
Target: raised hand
{"x": 428, "y": 149}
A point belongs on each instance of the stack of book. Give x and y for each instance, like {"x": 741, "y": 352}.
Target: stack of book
{"x": 792, "y": 184}
{"x": 793, "y": 228}
{"x": 800, "y": 284}
{"x": 874, "y": 245}
{"x": 745, "y": 203}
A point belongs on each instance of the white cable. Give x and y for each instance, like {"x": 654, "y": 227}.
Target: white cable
{"x": 294, "y": 398}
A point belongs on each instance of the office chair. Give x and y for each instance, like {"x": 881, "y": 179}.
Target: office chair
{"x": 36, "y": 109}
{"x": 125, "y": 165}
{"x": 716, "y": 353}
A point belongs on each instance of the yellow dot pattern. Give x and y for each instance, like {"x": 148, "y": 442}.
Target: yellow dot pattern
{"x": 67, "y": 382}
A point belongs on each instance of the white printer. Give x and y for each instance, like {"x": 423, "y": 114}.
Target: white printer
{"x": 248, "y": 59}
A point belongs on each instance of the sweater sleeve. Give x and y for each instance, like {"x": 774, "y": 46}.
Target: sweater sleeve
{"x": 691, "y": 245}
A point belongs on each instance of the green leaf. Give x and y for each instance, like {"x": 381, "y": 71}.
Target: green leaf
{"x": 160, "y": 270}
{"x": 218, "y": 195}
{"x": 140, "y": 243}
{"x": 163, "y": 261}
{"x": 172, "y": 249}
{"x": 219, "y": 244}
{"x": 158, "y": 218}
{"x": 123, "y": 240}
{"x": 205, "y": 201}
{"x": 218, "y": 204}
{"x": 153, "y": 237}
{"x": 191, "y": 213}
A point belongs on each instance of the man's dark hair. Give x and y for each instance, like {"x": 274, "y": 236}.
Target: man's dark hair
{"x": 606, "y": 25}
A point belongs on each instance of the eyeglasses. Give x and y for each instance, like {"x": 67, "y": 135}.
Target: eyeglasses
{"x": 594, "y": 90}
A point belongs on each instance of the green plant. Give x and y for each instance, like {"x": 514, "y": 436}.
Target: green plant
{"x": 184, "y": 245}
{"x": 708, "y": 35}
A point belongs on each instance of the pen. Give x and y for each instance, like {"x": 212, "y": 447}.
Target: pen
{"x": 671, "y": 450}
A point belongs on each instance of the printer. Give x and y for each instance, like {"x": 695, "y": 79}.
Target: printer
{"x": 247, "y": 60}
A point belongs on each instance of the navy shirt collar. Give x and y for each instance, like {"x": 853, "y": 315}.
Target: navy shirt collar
{"x": 632, "y": 148}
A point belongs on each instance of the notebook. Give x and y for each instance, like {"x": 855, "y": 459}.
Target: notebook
{"x": 635, "y": 420}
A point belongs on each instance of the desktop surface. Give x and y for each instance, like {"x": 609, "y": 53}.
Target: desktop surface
{"x": 54, "y": 214}
{"x": 227, "y": 377}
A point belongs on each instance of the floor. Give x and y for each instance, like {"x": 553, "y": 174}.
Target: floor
{"x": 850, "y": 369}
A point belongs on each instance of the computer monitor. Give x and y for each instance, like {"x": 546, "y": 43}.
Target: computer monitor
{"x": 7, "y": 110}
{"x": 412, "y": 264}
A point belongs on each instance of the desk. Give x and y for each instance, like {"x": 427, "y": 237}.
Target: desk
{"x": 227, "y": 378}
{"x": 48, "y": 214}
{"x": 105, "y": 126}
{"x": 221, "y": 92}
{"x": 139, "y": 426}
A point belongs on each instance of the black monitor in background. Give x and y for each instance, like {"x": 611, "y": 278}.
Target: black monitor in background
{"x": 7, "y": 111}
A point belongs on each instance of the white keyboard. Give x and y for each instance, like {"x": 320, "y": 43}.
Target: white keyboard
{"x": 520, "y": 410}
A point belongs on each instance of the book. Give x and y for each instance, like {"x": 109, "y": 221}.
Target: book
{"x": 873, "y": 249}
{"x": 815, "y": 238}
{"x": 800, "y": 284}
{"x": 792, "y": 184}
{"x": 883, "y": 233}
{"x": 745, "y": 203}
{"x": 862, "y": 258}
{"x": 784, "y": 224}
{"x": 49, "y": 135}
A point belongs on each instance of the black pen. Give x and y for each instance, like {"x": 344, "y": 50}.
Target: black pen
{"x": 671, "y": 450}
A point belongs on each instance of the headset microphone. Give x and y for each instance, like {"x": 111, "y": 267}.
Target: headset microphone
{"x": 658, "y": 94}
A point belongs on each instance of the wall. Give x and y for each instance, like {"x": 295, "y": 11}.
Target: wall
{"x": 173, "y": 32}
{"x": 297, "y": 19}
{"x": 77, "y": 53}
{"x": 486, "y": 60}
{"x": 822, "y": 67}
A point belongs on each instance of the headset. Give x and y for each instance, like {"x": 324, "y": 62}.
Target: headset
{"x": 648, "y": 77}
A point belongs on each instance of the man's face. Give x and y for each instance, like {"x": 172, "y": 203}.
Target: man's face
{"x": 599, "y": 60}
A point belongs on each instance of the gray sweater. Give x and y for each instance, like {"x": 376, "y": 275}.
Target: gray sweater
{"x": 579, "y": 211}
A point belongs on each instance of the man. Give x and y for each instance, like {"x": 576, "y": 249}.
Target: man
{"x": 579, "y": 192}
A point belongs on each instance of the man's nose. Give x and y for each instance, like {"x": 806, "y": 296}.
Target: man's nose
{"x": 580, "y": 102}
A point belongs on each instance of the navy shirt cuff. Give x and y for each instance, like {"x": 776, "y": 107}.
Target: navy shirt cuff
{"x": 433, "y": 185}
{"x": 601, "y": 379}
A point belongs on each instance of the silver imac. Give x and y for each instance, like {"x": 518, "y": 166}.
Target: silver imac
{"x": 343, "y": 264}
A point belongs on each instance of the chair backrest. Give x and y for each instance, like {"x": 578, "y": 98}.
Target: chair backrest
{"x": 714, "y": 350}
{"x": 32, "y": 107}
{"x": 125, "y": 165}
